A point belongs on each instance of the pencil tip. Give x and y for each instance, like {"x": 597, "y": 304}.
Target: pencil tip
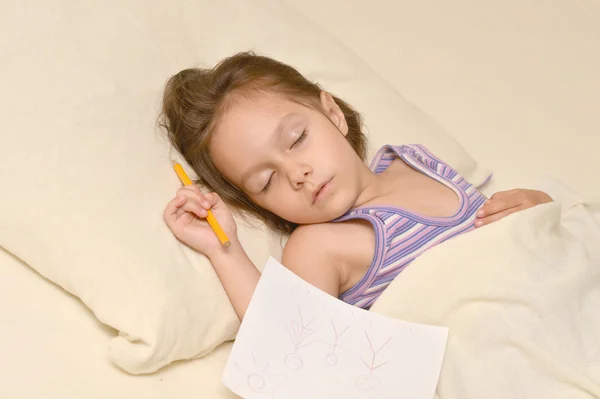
{"x": 173, "y": 162}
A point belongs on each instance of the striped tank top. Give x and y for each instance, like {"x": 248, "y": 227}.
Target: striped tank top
{"x": 400, "y": 235}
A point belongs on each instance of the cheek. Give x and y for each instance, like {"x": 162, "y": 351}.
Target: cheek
{"x": 285, "y": 200}
{"x": 285, "y": 204}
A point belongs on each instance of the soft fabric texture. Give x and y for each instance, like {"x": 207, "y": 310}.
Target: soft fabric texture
{"x": 514, "y": 81}
{"x": 521, "y": 299}
{"x": 85, "y": 173}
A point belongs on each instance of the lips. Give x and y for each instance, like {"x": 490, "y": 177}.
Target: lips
{"x": 320, "y": 188}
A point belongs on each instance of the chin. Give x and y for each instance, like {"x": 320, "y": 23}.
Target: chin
{"x": 340, "y": 205}
{"x": 316, "y": 217}
{"x": 335, "y": 208}
{"x": 331, "y": 208}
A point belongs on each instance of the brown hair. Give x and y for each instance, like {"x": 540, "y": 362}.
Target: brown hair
{"x": 194, "y": 100}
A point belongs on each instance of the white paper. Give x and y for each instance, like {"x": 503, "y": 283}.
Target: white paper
{"x": 296, "y": 341}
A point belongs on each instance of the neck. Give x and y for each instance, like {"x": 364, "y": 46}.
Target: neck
{"x": 373, "y": 186}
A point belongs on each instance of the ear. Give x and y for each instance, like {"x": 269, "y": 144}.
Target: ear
{"x": 333, "y": 112}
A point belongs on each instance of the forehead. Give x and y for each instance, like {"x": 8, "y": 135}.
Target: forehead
{"x": 245, "y": 132}
{"x": 254, "y": 110}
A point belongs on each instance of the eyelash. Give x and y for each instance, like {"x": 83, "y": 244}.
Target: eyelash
{"x": 266, "y": 188}
{"x": 300, "y": 139}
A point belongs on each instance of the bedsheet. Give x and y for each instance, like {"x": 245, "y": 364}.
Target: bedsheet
{"x": 51, "y": 346}
{"x": 521, "y": 299}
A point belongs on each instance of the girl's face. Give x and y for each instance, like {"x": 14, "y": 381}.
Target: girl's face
{"x": 290, "y": 159}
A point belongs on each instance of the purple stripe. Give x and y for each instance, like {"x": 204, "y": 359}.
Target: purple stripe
{"x": 424, "y": 232}
{"x": 393, "y": 272}
{"x": 379, "y": 288}
{"x": 378, "y": 257}
{"x": 424, "y": 150}
{"x": 413, "y": 245}
{"x": 468, "y": 227}
{"x": 401, "y": 225}
{"x": 389, "y": 262}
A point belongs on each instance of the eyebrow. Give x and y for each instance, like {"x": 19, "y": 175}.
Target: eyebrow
{"x": 276, "y": 135}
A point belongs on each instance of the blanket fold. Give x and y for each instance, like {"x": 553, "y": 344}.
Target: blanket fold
{"x": 521, "y": 298}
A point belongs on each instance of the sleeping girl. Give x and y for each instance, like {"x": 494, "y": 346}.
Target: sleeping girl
{"x": 267, "y": 142}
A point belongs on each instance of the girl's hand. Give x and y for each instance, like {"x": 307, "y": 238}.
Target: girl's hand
{"x": 186, "y": 217}
{"x": 503, "y": 203}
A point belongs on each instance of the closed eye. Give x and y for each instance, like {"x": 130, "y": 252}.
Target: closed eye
{"x": 266, "y": 187}
{"x": 300, "y": 139}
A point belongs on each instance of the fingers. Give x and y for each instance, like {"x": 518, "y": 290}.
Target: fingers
{"x": 504, "y": 194}
{"x": 212, "y": 198}
{"x": 497, "y": 207}
{"x": 495, "y": 217}
{"x": 195, "y": 208}
{"x": 173, "y": 206}
{"x": 194, "y": 194}
{"x": 190, "y": 199}
{"x": 503, "y": 203}
{"x": 498, "y": 204}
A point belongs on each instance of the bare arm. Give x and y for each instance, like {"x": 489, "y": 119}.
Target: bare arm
{"x": 186, "y": 217}
{"x": 312, "y": 257}
{"x": 238, "y": 275}
{"x": 305, "y": 254}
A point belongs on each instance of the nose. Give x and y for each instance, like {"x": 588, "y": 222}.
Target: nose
{"x": 298, "y": 175}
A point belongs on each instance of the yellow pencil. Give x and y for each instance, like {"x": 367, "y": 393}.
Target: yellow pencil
{"x": 212, "y": 221}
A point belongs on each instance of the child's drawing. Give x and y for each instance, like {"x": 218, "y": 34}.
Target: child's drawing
{"x": 298, "y": 332}
{"x": 297, "y": 342}
{"x": 331, "y": 357}
{"x": 260, "y": 379}
{"x": 368, "y": 382}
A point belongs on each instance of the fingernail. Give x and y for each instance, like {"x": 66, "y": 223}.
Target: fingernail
{"x": 206, "y": 204}
{"x": 480, "y": 213}
{"x": 478, "y": 223}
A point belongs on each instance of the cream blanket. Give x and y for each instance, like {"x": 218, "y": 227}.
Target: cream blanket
{"x": 522, "y": 300}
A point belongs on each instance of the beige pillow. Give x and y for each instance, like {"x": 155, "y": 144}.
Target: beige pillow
{"x": 85, "y": 173}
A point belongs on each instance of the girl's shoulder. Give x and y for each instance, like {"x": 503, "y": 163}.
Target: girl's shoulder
{"x": 327, "y": 235}
{"x": 322, "y": 239}
{"x": 329, "y": 249}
